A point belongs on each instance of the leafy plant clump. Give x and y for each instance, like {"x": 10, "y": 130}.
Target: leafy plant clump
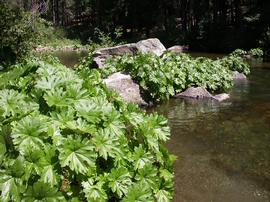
{"x": 65, "y": 137}
{"x": 169, "y": 74}
{"x": 254, "y": 52}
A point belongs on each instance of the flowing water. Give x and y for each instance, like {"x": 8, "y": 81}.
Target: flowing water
{"x": 223, "y": 149}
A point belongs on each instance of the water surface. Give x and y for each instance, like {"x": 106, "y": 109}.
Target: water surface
{"x": 223, "y": 148}
{"x": 69, "y": 58}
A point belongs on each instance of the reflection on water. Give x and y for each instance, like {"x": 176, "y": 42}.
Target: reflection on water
{"x": 69, "y": 58}
{"x": 223, "y": 148}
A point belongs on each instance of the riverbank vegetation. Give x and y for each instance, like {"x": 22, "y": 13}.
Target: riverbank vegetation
{"x": 64, "y": 136}
{"x": 165, "y": 76}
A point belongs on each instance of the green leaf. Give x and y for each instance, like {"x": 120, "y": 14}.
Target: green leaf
{"x": 166, "y": 175}
{"x": 13, "y": 103}
{"x": 81, "y": 126}
{"x": 77, "y": 154}
{"x": 106, "y": 145}
{"x": 49, "y": 83}
{"x": 89, "y": 110}
{"x": 141, "y": 157}
{"x": 139, "y": 192}
{"x": 135, "y": 118}
{"x": 49, "y": 176}
{"x": 119, "y": 181}
{"x": 30, "y": 132}
{"x": 10, "y": 190}
{"x": 3, "y": 148}
{"x": 148, "y": 174}
{"x": 114, "y": 125}
{"x": 94, "y": 192}
{"x": 42, "y": 192}
{"x": 57, "y": 97}
{"x": 163, "y": 196}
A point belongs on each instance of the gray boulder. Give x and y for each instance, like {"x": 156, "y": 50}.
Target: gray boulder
{"x": 153, "y": 46}
{"x": 101, "y": 54}
{"x": 202, "y": 93}
{"x": 126, "y": 88}
{"x": 238, "y": 76}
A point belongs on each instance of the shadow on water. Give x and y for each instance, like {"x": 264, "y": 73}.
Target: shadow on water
{"x": 223, "y": 148}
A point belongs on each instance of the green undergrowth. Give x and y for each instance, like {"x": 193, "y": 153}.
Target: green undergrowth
{"x": 165, "y": 76}
{"x": 65, "y": 137}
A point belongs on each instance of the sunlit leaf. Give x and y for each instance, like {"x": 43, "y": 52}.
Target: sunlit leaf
{"x": 106, "y": 145}
{"x": 42, "y": 192}
{"x": 141, "y": 157}
{"x": 119, "y": 181}
{"x": 94, "y": 192}
{"x": 30, "y": 132}
{"x": 77, "y": 154}
{"x": 139, "y": 192}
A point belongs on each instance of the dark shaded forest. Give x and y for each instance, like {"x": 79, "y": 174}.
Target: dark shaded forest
{"x": 205, "y": 25}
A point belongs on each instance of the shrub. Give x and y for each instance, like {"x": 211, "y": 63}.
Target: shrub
{"x": 65, "y": 137}
{"x": 17, "y": 34}
{"x": 49, "y": 35}
{"x": 256, "y": 52}
{"x": 235, "y": 63}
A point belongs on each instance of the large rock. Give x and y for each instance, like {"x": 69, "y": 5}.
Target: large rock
{"x": 153, "y": 46}
{"x": 238, "y": 76}
{"x": 100, "y": 55}
{"x": 177, "y": 49}
{"x": 126, "y": 88}
{"x": 201, "y": 93}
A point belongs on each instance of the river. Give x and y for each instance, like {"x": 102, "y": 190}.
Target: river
{"x": 223, "y": 149}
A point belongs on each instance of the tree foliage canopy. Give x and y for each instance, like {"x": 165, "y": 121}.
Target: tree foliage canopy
{"x": 17, "y": 34}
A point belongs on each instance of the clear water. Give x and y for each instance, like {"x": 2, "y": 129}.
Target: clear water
{"x": 70, "y": 58}
{"x": 223, "y": 148}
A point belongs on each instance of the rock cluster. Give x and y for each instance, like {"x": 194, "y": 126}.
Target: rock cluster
{"x": 153, "y": 46}
{"x": 129, "y": 90}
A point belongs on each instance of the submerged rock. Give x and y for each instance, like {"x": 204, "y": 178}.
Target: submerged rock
{"x": 238, "y": 76}
{"x": 177, "y": 49}
{"x": 195, "y": 92}
{"x": 153, "y": 46}
{"x": 202, "y": 93}
{"x": 221, "y": 97}
{"x": 126, "y": 88}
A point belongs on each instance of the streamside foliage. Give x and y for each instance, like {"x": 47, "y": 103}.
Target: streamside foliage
{"x": 65, "y": 137}
{"x": 165, "y": 76}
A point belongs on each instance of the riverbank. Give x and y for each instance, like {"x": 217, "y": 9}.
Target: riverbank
{"x": 68, "y": 48}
